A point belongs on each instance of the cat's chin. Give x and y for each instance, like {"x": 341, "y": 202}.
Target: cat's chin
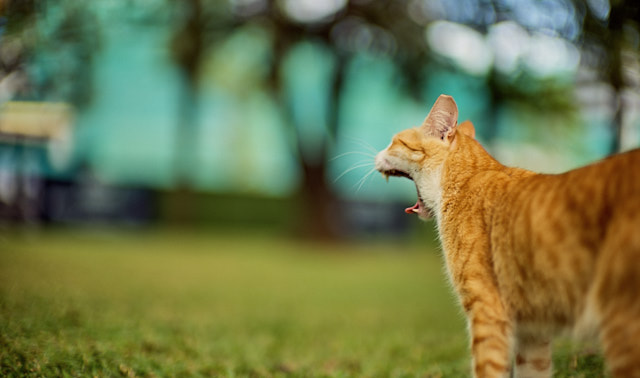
{"x": 420, "y": 209}
{"x": 426, "y": 214}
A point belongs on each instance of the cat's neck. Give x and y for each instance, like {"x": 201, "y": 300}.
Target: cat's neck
{"x": 469, "y": 171}
{"x": 467, "y": 159}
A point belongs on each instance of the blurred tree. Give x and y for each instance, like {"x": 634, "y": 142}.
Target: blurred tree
{"x": 339, "y": 31}
{"x": 609, "y": 41}
{"x": 17, "y": 13}
{"x": 194, "y": 33}
{"x": 378, "y": 28}
{"x": 357, "y": 27}
{"x": 16, "y": 21}
{"x": 66, "y": 45}
{"x": 187, "y": 47}
{"x": 54, "y": 44}
{"x": 606, "y": 33}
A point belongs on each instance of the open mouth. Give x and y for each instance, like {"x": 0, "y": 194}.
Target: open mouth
{"x": 395, "y": 173}
{"x": 419, "y": 208}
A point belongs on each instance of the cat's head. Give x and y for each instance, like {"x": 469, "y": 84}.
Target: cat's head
{"x": 419, "y": 153}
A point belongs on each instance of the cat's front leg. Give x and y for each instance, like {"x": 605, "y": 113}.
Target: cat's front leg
{"x": 490, "y": 331}
{"x": 533, "y": 358}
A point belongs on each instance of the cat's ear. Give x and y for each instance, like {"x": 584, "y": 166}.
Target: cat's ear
{"x": 467, "y": 129}
{"x": 442, "y": 119}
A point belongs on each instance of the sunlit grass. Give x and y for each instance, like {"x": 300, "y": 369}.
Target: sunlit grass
{"x": 165, "y": 303}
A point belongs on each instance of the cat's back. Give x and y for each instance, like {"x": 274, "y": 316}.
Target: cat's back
{"x": 549, "y": 231}
{"x": 590, "y": 196}
{"x": 585, "y": 198}
{"x": 615, "y": 176}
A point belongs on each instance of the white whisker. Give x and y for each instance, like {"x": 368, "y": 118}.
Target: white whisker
{"x": 364, "y": 143}
{"x": 358, "y": 165}
{"x": 364, "y": 179}
{"x": 353, "y": 153}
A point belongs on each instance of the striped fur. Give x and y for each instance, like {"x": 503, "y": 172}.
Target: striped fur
{"x": 530, "y": 255}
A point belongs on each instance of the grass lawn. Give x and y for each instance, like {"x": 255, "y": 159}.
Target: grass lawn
{"x": 165, "y": 303}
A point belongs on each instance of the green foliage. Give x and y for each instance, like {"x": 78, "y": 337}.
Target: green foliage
{"x": 18, "y": 14}
{"x": 239, "y": 304}
{"x": 68, "y": 38}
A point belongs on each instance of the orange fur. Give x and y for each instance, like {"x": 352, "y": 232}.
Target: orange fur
{"x": 529, "y": 254}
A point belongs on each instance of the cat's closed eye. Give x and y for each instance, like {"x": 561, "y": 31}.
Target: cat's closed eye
{"x": 408, "y": 145}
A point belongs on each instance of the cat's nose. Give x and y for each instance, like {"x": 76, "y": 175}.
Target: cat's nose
{"x": 381, "y": 163}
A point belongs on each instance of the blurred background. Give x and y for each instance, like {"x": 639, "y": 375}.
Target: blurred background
{"x": 264, "y": 113}
{"x": 187, "y": 186}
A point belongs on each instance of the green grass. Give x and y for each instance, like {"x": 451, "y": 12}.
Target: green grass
{"x": 165, "y": 303}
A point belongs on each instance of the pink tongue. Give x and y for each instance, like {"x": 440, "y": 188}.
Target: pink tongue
{"x": 412, "y": 209}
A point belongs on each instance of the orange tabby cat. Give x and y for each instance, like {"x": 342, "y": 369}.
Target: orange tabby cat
{"x": 528, "y": 254}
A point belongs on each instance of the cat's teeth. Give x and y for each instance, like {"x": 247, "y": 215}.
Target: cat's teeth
{"x": 416, "y": 211}
{"x": 386, "y": 176}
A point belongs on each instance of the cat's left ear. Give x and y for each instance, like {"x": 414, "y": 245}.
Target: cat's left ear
{"x": 442, "y": 119}
{"x": 467, "y": 129}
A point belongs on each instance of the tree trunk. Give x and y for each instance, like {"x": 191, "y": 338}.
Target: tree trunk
{"x": 318, "y": 202}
